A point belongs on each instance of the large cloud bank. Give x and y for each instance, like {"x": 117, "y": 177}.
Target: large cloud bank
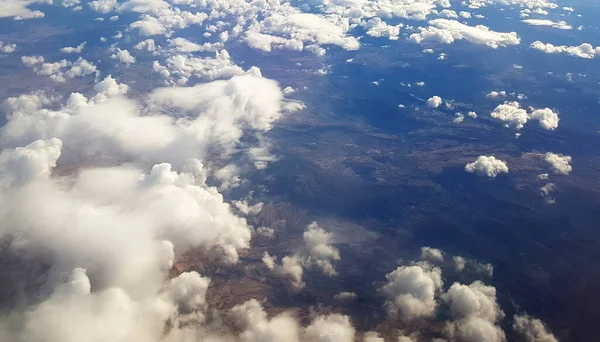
{"x": 107, "y": 190}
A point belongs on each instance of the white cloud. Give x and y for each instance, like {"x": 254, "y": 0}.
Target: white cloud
{"x": 291, "y": 269}
{"x": 434, "y": 102}
{"x": 560, "y": 163}
{"x": 59, "y": 71}
{"x": 372, "y": 336}
{"x": 117, "y": 228}
{"x": 103, "y": 6}
{"x": 254, "y": 325}
{"x": 186, "y": 46}
{"x": 495, "y": 94}
{"x": 458, "y": 118}
{"x": 546, "y": 192}
{"x": 562, "y": 25}
{"x": 447, "y": 31}
{"x": 487, "y": 166}
{"x": 295, "y": 30}
{"x": 410, "y": 291}
{"x": 345, "y": 296}
{"x": 476, "y": 313}
{"x": 123, "y": 56}
{"x": 378, "y": 28}
{"x": 70, "y": 49}
{"x": 511, "y": 113}
{"x": 7, "y": 48}
{"x": 330, "y": 328}
{"x": 266, "y": 232}
{"x": 532, "y": 329}
{"x": 479, "y": 267}
{"x": 184, "y": 67}
{"x": 320, "y": 250}
{"x": 476, "y": 299}
{"x": 414, "y": 10}
{"x": 432, "y": 254}
{"x": 459, "y": 263}
{"x": 19, "y": 9}
{"x": 584, "y": 50}
{"x": 247, "y": 209}
{"x": 533, "y": 4}
{"x": 162, "y": 20}
{"x": 472, "y": 114}
{"x": 257, "y": 327}
{"x": 147, "y": 44}
{"x": 448, "y": 13}
{"x": 269, "y": 261}
{"x": 547, "y": 117}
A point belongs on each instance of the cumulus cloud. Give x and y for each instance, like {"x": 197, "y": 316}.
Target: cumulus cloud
{"x": 530, "y": 4}
{"x": 328, "y": 328}
{"x": 410, "y": 291}
{"x": 147, "y": 45}
{"x": 179, "y": 68}
{"x": 432, "y": 254}
{"x": 295, "y": 30}
{"x": 560, "y": 163}
{"x": 547, "y": 118}
{"x": 7, "y": 48}
{"x": 186, "y": 46}
{"x": 458, "y": 118}
{"x": 291, "y": 268}
{"x": 511, "y": 113}
{"x": 562, "y": 25}
{"x": 487, "y": 166}
{"x": 584, "y": 50}
{"x": 70, "y": 49}
{"x": 123, "y": 56}
{"x": 269, "y": 261}
{"x": 447, "y": 31}
{"x": 434, "y": 102}
{"x": 494, "y": 94}
{"x": 117, "y": 129}
{"x": 476, "y": 313}
{"x": 532, "y": 329}
{"x": 503, "y": 94}
{"x": 266, "y": 232}
{"x": 546, "y": 191}
{"x": 378, "y": 28}
{"x": 459, "y": 263}
{"x": 115, "y": 229}
{"x": 162, "y": 19}
{"x": 257, "y": 327}
{"x": 18, "y": 9}
{"x": 372, "y": 336}
{"x": 247, "y": 209}
{"x": 59, "y": 71}
{"x": 345, "y": 296}
{"x": 320, "y": 250}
